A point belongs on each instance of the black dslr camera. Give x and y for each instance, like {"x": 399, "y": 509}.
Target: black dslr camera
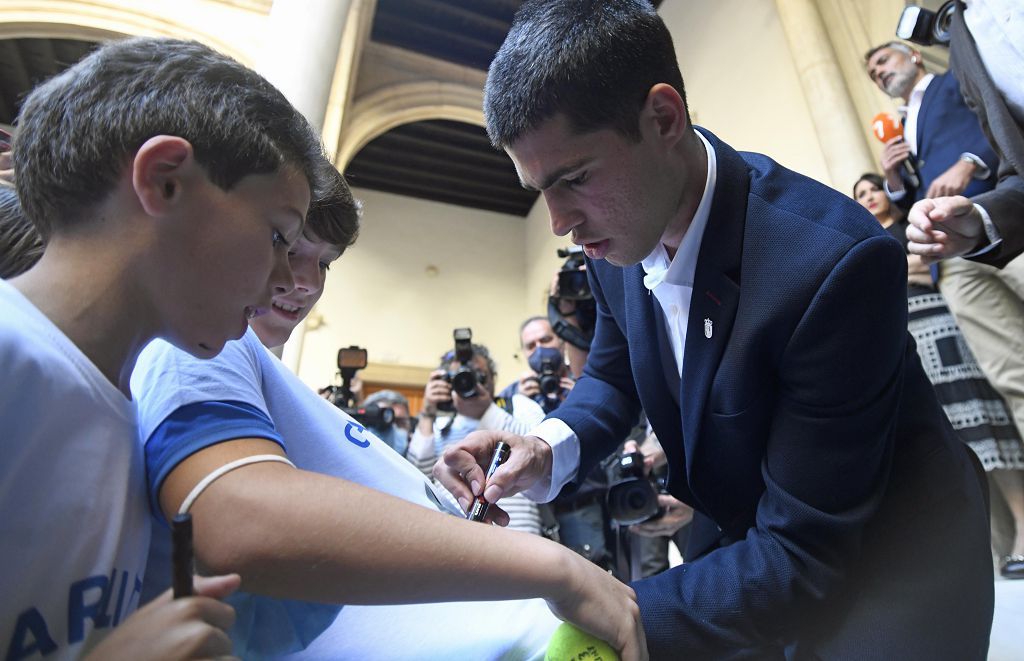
{"x": 632, "y": 496}
{"x": 926, "y": 27}
{"x": 548, "y": 375}
{"x": 351, "y": 360}
{"x": 463, "y": 375}
{"x": 573, "y": 287}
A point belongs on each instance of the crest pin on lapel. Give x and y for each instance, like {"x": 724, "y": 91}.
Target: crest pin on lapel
{"x": 708, "y": 328}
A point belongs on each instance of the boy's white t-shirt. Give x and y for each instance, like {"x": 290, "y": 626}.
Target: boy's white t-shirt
{"x": 319, "y": 437}
{"x": 74, "y": 524}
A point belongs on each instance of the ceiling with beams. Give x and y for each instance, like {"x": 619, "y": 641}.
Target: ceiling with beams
{"x": 443, "y": 161}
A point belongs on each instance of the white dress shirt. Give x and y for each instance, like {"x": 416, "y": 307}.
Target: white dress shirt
{"x": 998, "y": 30}
{"x": 671, "y": 283}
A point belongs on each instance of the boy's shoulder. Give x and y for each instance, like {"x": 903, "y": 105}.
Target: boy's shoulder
{"x": 44, "y": 370}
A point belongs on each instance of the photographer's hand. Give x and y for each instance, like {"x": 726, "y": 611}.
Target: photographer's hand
{"x": 529, "y": 384}
{"x": 473, "y": 407}
{"x": 461, "y": 468}
{"x": 677, "y": 514}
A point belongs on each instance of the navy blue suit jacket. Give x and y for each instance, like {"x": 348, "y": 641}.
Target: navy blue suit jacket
{"x": 946, "y": 128}
{"x": 842, "y": 517}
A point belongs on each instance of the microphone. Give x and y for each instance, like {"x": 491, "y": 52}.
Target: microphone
{"x": 886, "y": 127}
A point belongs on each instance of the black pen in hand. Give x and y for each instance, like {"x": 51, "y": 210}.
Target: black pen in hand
{"x": 479, "y": 509}
{"x": 182, "y": 560}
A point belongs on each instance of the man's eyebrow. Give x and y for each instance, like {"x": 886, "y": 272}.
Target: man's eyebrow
{"x": 554, "y": 176}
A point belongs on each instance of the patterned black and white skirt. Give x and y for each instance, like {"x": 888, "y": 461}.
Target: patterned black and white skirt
{"x": 979, "y": 415}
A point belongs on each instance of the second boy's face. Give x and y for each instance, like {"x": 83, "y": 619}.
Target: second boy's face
{"x": 309, "y": 258}
{"x": 227, "y": 256}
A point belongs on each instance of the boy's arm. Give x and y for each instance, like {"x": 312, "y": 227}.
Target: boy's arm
{"x": 296, "y": 534}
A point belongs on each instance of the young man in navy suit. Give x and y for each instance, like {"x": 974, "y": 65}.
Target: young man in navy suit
{"x": 759, "y": 319}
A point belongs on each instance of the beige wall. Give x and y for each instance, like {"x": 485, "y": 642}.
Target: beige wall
{"x": 741, "y": 82}
{"x": 379, "y": 295}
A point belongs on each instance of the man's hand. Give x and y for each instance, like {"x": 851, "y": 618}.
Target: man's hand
{"x": 895, "y": 152}
{"x": 944, "y": 227}
{"x": 461, "y": 468}
{"x": 677, "y": 514}
{"x": 567, "y": 383}
{"x": 953, "y": 181}
{"x": 171, "y": 629}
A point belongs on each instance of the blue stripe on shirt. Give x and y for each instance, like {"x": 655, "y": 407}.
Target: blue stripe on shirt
{"x": 194, "y": 427}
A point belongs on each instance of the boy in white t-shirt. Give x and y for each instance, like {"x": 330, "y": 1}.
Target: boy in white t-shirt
{"x": 168, "y": 182}
{"x": 277, "y": 512}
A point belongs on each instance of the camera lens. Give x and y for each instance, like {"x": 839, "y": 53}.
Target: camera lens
{"x": 464, "y": 382}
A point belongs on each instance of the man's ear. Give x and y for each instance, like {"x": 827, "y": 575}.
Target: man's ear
{"x": 667, "y": 111}
{"x": 159, "y": 169}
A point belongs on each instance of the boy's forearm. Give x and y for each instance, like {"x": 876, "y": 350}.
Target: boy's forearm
{"x": 302, "y": 535}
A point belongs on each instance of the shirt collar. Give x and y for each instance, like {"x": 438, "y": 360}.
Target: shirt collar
{"x": 917, "y": 93}
{"x": 681, "y": 269}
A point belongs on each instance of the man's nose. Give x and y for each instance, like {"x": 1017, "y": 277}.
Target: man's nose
{"x": 563, "y": 217}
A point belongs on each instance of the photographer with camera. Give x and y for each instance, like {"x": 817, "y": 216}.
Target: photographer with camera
{"x": 395, "y": 432}
{"x": 459, "y": 399}
{"x": 548, "y": 380}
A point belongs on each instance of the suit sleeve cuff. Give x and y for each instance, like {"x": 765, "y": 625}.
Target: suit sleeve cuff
{"x": 565, "y": 459}
{"x": 895, "y": 196}
{"x": 981, "y": 171}
{"x": 991, "y": 232}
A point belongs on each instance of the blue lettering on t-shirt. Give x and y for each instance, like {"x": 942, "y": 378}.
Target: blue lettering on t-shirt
{"x": 95, "y": 610}
{"x": 30, "y": 637}
{"x": 350, "y": 435}
{"x": 88, "y": 599}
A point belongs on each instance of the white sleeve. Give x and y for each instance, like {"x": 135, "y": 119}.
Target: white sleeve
{"x": 166, "y": 378}
{"x": 565, "y": 459}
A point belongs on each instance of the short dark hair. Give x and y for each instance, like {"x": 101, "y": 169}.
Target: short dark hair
{"x": 595, "y": 61}
{"x": 20, "y": 243}
{"x": 77, "y": 130}
{"x": 334, "y": 216}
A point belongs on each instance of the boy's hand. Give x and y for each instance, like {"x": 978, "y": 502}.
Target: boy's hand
{"x": 176, "y": 629}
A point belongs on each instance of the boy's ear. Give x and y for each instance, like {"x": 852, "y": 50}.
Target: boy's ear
{"x": 668, "y": 111}
{"x": 159, "y": 169}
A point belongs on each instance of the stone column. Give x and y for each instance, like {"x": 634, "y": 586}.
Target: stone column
{"x": 300, "y": 53}
{"x": 835, "y": 119}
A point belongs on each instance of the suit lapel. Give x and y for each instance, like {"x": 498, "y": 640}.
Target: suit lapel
{"x": 926, "y": 108}
{"x": 715, "y": 290}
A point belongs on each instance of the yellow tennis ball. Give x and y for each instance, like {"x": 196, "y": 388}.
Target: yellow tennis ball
{"x": 570, "y": 643}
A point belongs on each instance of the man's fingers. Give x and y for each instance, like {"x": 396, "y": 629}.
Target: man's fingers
{"x": 458, "y": 471}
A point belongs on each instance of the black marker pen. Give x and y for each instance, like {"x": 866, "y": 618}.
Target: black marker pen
{"x": 500, "y": 456}
{"x": 182, "y": 561}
